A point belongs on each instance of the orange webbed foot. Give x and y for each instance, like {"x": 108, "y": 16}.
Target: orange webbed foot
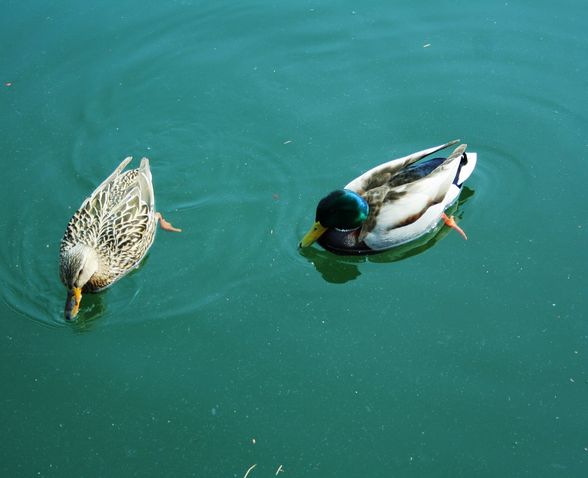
{"x": 450, "y": 221}
{"x": 167, "y": 226}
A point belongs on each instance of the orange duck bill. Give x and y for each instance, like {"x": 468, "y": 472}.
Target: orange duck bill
{"x": 72, "y": 303}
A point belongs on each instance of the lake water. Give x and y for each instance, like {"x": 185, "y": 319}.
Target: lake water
{"x": 230, "y": 347}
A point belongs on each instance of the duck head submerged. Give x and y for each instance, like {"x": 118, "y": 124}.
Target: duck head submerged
{"x": 78, "y": 265}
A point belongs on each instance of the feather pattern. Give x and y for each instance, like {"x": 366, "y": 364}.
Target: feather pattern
{"x": 117, "y": 222}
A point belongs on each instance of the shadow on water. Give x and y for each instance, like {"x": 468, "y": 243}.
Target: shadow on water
{"x": 338, "y": 269}
{"x": 93, "y": 307}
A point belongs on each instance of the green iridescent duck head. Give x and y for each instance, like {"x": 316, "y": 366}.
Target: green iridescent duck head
{"x": 342, "y": 209}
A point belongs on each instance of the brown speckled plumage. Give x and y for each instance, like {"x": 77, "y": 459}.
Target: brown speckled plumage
{"x": 117, "y": 221}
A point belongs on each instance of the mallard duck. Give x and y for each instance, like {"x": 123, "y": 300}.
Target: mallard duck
{"x": 393, "y": 203}
{"x": 109, "y": 234}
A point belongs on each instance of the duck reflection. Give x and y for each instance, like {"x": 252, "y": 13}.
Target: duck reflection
{"x": 94, "y": 308}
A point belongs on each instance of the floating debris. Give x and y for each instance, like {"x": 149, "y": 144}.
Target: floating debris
{"x": 249, "y": 470}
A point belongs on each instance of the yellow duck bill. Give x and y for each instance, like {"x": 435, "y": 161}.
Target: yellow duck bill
{"x": 316, "y": 231}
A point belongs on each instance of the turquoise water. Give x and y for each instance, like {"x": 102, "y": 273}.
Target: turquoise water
{"x": 230, "y": 347}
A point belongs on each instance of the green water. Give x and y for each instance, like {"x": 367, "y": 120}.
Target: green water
{"x": 229, "y": 347}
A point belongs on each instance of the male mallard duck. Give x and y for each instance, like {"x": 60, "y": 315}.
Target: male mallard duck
{"x": 109, "y": 234}
{"x": 392, "y": 204}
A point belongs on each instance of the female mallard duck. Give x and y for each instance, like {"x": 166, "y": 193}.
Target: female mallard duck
{"x": 109, "y": 234}
{"x": 392, "y": 204}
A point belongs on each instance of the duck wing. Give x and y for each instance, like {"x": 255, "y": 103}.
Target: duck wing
{"x": 408, "y": 197}
{"x": 127, "y": 227}
{"x": 84, "y": 226}
{"x": 382, "y": 174}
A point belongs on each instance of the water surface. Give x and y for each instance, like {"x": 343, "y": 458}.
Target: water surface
{"x": 229, "y": 347}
